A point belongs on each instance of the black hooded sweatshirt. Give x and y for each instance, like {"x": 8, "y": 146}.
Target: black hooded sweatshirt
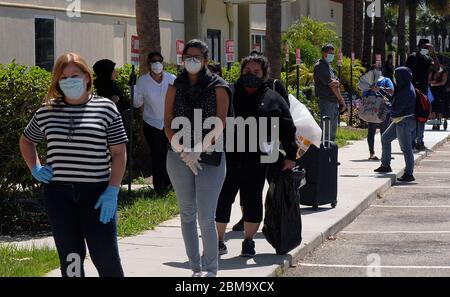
{"x": 105, "y": 86}
{"x": 265, "y": 102}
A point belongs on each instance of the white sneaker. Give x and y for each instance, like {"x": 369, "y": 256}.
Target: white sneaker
{"x": 208, "y": 274}
{"x": 197, "y": 274}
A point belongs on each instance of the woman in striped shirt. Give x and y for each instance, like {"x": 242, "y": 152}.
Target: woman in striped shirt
{"x": 85, "y": 163}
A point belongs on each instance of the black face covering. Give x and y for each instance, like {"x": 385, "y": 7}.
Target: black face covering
{"x": 251, "y": 81}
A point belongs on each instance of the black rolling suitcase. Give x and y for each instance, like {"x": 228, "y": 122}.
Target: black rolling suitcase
{"x": 321, "y": 167}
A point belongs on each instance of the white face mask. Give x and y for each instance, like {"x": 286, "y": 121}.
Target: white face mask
{"x": 157, "y": 67}
{"x": 424, "y": 51}
{"x": 193, "y": 67}
{"x": 73, "y": 88}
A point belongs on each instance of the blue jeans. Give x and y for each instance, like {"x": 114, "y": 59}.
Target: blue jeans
{"x": 70, "y": 209}
{"x": 331, "y": 110}
{"x": 198, "y": 194}
{"x": 403, "y": 132}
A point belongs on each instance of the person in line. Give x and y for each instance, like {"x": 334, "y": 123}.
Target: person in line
{"x": 438, "y": 83}
{"x": 106, "y": 86}
{"x": 85, "y": 163}
{"x": 422, "y": 63}
{"x": 389, "y": 67}
{"x": 245, "y": 171}
{"x": 383, "y": 88}
{"x": 277, "y": 86}
{"x": 151, "y": 90}
{"x": 331, "y": 102}
{"x": 403, "y": 123}
{"x": 197, "y": 185}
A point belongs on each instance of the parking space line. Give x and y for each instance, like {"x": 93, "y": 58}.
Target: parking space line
{"x": 410, "y": 206}
{"x": 372, "y": 266}
{"x": 395, "y": 232}
{"x": 403, "y": 186}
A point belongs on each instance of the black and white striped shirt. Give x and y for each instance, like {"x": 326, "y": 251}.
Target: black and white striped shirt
{"x": 78, "y": 137}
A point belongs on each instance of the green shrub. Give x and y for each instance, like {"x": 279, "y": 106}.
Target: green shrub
{"x": 232, "y": 75}
{"x": 22, "y": 91}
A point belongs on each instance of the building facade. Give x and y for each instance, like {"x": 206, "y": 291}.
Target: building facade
{"x": 35, "y": 32}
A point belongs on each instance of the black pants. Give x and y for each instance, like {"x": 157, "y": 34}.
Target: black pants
{"x": 70, "y": 209}
{"x": 248, "y": 177}
{"x": 158, "y": 144}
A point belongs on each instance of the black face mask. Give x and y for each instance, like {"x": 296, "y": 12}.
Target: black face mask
{"x": 251, "y": 81}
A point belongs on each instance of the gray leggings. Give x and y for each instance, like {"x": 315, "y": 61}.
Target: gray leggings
{"x": 198, "y": 194}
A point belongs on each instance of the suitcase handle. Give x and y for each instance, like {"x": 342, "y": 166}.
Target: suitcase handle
{"x": 324, "y": 120}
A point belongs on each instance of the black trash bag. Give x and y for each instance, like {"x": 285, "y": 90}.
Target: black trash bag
{"x": 283, "y": 222}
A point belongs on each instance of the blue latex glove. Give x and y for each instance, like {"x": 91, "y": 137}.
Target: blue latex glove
{"x": 44, "y": 174}
{"x": 108, "y": 202}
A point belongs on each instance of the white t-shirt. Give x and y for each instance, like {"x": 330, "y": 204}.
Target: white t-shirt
{"x": 153, "y": 95}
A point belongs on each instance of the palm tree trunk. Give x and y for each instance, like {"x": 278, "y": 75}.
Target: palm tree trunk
{"x": 401, "y": 31}
{"x": 412, "y": 6}
{"x": 368, "y": 34}
{"x": 380, "y": 35}
{"x": 273, "y": 37}
{"x": 147, "y": 23}
{"x": 358, "y": 32}
{"x": 347, "y": 27}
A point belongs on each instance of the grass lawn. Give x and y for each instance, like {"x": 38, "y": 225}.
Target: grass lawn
{"x": 27, "y": 262}
{"x": 345, "y": 134}
{"x": 145, "y": 211}
{"x": 141, "y": 212}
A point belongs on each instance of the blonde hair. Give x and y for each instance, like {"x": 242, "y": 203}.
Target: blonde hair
{"x": 54, "y": 90}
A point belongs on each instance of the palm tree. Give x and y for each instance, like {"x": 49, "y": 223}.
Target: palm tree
{"x": 347, "y": 27}
{"x": 379, "y": 43}
{"x": 358, "y": 32}
{"x": 368, "y": 34}
{"x": 273, "y": 36}
{"x": 401, "y": 31}
{"x": 147, "y": 23}
{"x": 412, "y": 7}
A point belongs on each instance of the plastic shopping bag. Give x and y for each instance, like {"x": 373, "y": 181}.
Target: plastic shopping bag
{"x": 282, "y": 220}
{"x": 430, "y": 95}
{"x": 308, "y": 131}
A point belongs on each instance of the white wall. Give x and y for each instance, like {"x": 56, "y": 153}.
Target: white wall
{"x": 92, "y": 36}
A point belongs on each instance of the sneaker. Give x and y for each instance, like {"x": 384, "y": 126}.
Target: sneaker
{"x": 406, "y": 178}
{"x": 197, "y": 274}
{"x": 208, "y": 274}
{"x": 248, "y": 249}
{"x": 421, "y": 147}
{"x": 383, "y": 169}
{"x": 222, "y": 248}
{"x": 239, "y": 225}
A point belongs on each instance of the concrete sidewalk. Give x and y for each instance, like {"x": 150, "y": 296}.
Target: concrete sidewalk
{"x": 161, "y": 252}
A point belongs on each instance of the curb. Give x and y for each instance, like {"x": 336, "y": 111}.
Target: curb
{"x": 302, "y": 251}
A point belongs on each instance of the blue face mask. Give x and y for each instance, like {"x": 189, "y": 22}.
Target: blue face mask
{"x": 329, "y": 58}
{"x": 73, "y": 88}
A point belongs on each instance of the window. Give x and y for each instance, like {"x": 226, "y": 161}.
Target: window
{"x": 44, "y": 42}
{"x": 332, "y": 13}
{"x": 214, "y": 44}
{"x": 259, "y": 42}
